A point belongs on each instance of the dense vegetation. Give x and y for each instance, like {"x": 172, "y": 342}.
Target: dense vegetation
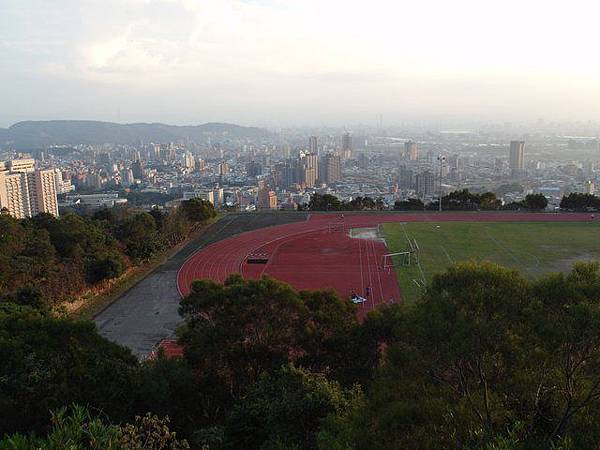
{"x": 45, "y": 260}
{"x": 580, "y": 202}
{"x": 485, "y": 359}
{"x": 461, "y": 200}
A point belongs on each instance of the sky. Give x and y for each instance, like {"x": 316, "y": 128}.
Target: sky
{"x": 309, "y": 62}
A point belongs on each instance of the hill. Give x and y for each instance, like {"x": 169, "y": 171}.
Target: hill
{"x": 39, "y": 134}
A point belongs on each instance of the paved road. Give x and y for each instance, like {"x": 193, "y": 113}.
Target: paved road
{"x": 147, "y": 313}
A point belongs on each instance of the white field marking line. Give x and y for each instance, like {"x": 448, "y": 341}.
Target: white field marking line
{"x": 447, "y": 254}
{"x": 371, "y": 250}
{"x": 362, "y": 283}
{"x": 418, "y": 255}
{"x": 538, "y": 263}
{"x": 504, "y": 248}
{"x": 369, "y": 270}
{"x": 378, "y": 271}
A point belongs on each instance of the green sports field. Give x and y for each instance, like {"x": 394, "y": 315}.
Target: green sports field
{"x": 533, "y": 248}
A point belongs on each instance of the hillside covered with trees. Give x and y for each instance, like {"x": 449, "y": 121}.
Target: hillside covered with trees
{"x": 39, "y": 134}
{"x": 485, "y": 359}
{"x": 45, "y": 261}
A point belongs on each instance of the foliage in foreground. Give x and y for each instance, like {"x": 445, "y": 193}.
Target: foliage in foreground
{"x": 486, "y": 359}
{"x": 77, "y": 428}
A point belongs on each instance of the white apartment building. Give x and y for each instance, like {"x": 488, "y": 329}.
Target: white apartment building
{"x": 26, "y": 191}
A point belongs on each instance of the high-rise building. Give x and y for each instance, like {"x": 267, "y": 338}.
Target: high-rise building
{"x": 62, "y": 186}
{"x": 218, "y": 197}
{"x": 346, "y": 141}
{"x": 14, "y": 194}
{"x": 138, "y": 170}
{"x": 309, "y": 169}
{"x": 330, "y": 168}
{"x": 21, "y": 165}
{"x": 253, "y": 169}
{"x": 188, "y": 161}
{"x": 266, "y": 199}
{"x": 224, "y": 169}
{"x": 405, "y": 178}
{"x": 25, "y": 191}
{"x": 516, "y": 162}
{"x": 411, "y": 150}
{"x": 313, "y": 145}
{"x": 127, "y": 177}
{"x": 590, "y": 187}
{"x": 363, "y": 161}
{"x": 425, "y": 183}
{"x": 44, "y": 198}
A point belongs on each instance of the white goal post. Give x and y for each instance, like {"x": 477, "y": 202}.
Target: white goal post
{"x": 404, "y": 257}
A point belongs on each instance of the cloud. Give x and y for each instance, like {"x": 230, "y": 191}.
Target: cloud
{"x": 339, "y": 55}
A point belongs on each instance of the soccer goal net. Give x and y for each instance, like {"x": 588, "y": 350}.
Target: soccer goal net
{"x": 397, "y": 259}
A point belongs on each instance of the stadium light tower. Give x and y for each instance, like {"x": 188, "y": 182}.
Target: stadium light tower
{"x": 441, "y": 159}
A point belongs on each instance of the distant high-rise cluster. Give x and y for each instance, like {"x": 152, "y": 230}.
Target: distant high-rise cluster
{"x": 26, "y": 191}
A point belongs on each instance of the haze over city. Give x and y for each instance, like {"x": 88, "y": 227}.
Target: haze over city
{"x": 281, "y": 63}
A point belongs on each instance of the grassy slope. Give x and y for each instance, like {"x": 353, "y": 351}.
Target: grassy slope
{"x": 533, "y": 248}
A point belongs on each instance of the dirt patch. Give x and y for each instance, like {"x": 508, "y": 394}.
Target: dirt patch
{"x": 566, "y": 264}
{"x": 366, "y": 233}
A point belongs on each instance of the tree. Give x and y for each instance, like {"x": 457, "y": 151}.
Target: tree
{"x": 580, "y": 202}
{"x": 198, "y": 210}
{"x": 488, "y": 201}
{"x": 77, "y": 428}
{"x": 104, "y": 266}
{"x": 240, "y": 329}
{"x": 72, "y": 428}
{"x": 48, "y": 362}
{"x": 535, "y": 202}
{"x": 451, "y": 360}
{"x": 411, "y": 204}
{"x": 140, "y": 236}
{"x": 149, "y": 432}
{"x": 30, "y": 295}
{"x": 286, "y": 409}
{"x": 461, "y": 200}
{"x": 324, "y": 202}
{"x": 569, "y": 375}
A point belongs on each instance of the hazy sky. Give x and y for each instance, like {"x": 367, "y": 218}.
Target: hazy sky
{"x": 282, "y": 62}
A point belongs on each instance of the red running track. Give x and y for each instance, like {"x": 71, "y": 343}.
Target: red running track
{"x": 312, "y": 255}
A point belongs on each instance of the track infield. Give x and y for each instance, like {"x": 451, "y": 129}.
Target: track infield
{"x": 326, "y": 251}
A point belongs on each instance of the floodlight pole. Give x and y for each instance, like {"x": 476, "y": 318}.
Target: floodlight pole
{"x": 441, "y": 159}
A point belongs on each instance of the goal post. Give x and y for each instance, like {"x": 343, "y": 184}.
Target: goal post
{"x": 403, "y": 259}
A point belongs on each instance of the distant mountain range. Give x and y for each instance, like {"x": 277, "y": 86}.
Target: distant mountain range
{"x": 39, "y": 134}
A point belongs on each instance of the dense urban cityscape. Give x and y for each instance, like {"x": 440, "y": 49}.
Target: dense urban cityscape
{"x": 282, "y": 170}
